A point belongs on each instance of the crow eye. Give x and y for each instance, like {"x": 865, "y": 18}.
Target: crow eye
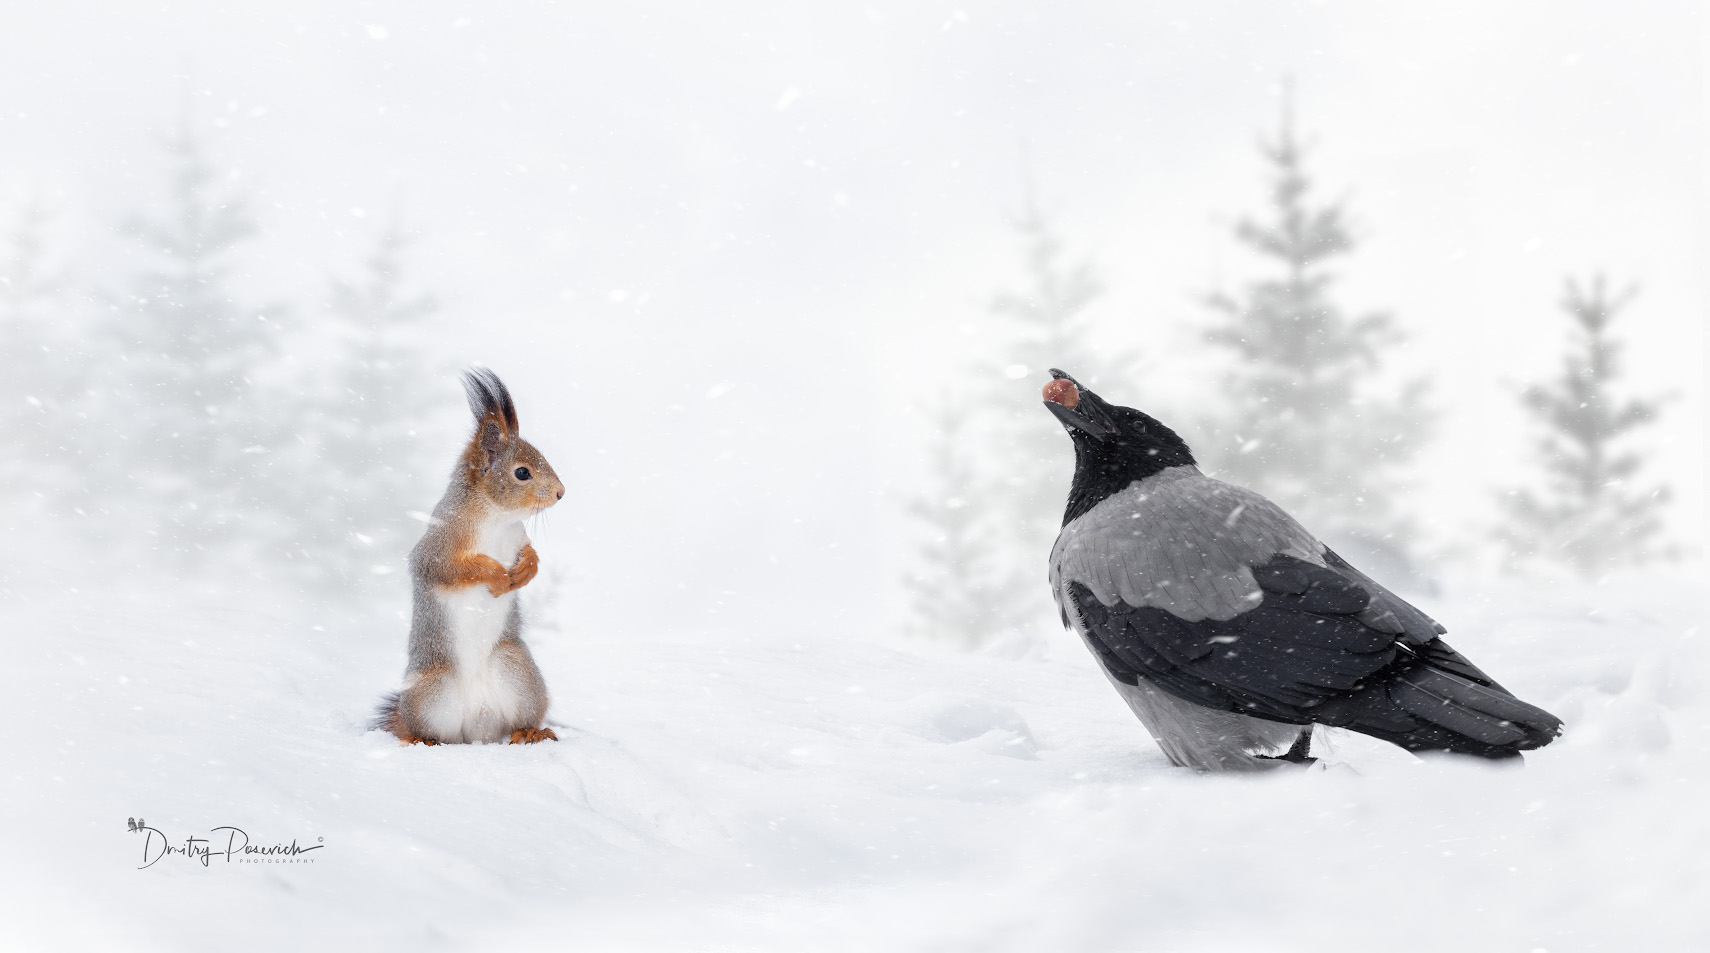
{"x": 522, "y": 473}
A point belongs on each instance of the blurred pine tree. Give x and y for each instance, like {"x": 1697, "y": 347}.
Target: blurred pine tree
{"x": 368, "y": 464}
{"x": 957, "y": 595}
{"x": 177, "y": 417}
{"x": 1310, "y": 422}
{"x": 1590, "y": 516}
{"x": 1004, "y": 462}
{"x": 36, "y": 385}
{"x": 1045, "y": 325}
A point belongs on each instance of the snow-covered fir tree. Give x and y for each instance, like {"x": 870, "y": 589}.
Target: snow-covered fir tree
{"x": 956, "y": 594}
{"x": 1594, "y": 512}
{"x": 369, "y": 463}
{"x": 180, "y": 424}
{"x": 1314, "y": 420}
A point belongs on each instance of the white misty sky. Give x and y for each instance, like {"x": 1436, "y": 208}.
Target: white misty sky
{"x": 723, "y": 252}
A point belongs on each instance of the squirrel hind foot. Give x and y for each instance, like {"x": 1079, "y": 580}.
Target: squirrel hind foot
{"x": 529, "y": 736}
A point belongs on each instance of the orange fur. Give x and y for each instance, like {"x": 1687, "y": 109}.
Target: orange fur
{"x": 528, "y": 736}
{"x": 466, "y": 569}
{"x": 469, "y": 568}
{"x": 475, "y": 456}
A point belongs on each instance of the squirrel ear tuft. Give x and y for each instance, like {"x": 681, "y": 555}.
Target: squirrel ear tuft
{"x": 489, "y": 397}
{"x": 495, "y": 413}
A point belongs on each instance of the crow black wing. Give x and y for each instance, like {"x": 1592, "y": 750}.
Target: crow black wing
{"x": 1319, "y": 647}
{"x": 1300, "y": 646}
{"x": 1389, "y": 612}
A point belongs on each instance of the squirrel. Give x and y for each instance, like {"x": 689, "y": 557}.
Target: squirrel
{"x": 470, "y": 678}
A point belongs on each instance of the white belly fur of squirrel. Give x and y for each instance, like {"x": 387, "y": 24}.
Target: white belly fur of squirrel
{"x": 484, "y": 704}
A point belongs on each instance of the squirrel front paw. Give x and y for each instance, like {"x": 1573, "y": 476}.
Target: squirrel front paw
{"x": 518, "y": 576}
{"x": 479, "y": 569}
{"x": 527, "y": 567}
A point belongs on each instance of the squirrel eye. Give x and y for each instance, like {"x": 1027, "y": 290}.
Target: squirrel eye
{"x": 522, "y": 473}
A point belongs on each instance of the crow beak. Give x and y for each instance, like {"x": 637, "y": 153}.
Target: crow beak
{"x": 1066, "y": 400}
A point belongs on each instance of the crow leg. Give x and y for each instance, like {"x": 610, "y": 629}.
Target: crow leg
{"x": 1297, "y": 753}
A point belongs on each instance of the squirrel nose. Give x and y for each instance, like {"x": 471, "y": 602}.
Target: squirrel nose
{"x": 561, "y": 493}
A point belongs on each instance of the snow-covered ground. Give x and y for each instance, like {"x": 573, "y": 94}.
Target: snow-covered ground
{"x": 780, "y": 790}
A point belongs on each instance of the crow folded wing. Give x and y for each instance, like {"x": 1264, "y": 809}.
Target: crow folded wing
{"x": 1315, "y": 634}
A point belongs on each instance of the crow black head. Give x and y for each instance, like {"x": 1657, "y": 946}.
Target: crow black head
{"x": 1114, "y": 445}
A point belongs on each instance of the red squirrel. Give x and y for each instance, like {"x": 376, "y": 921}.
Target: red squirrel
{"x": 470, "y": 678}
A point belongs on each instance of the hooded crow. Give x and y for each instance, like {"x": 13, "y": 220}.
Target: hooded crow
{"x": 1230, "y": 630}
